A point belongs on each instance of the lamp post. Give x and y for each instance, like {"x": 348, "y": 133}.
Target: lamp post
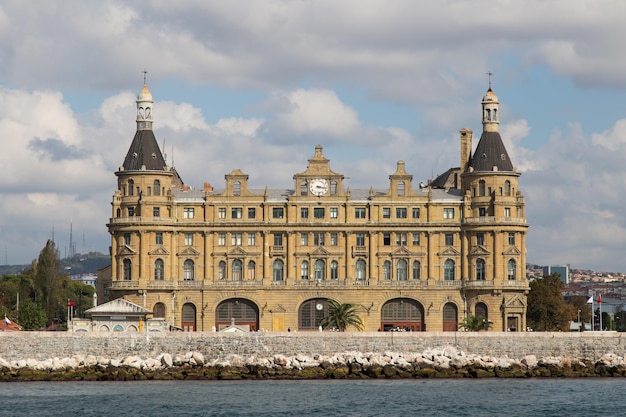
{"x": 579, "y": 320}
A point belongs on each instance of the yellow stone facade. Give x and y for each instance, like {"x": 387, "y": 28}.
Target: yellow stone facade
{"x": 418, "y": 257}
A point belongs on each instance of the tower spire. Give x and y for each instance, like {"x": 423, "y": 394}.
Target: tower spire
{"x": 144, "y": 107}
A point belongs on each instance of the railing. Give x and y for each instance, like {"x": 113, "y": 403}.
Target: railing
{"x": 162, "y": 285}
{"x": 282, "y": 283}
{"x": 319, "y": 283}
{"x": 408, "y": 283}
{"x": 237, "y": 284}
{"x": 359, "y": 250}
{"x": 122, "y": 285}
{"x": 492, "y": 219}
{"x": 188, "y": 283}
{"x": 139, "y": 219}
{"x": 451, "y": 284}
{"x": 361, "y": 283}
{"x": 478, "y": 284}
{"x": 515, "y": 284}
{"x": 277, "y": 250}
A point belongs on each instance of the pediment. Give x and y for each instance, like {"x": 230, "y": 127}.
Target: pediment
{"x": 161, "y": 251}
{"x": 514, "y": 301}
{"x": 479, "y": 251}
{"x": 320, "y": 252}
{"x": 188, "y": 251}
{"x": 126, "y": 250}
{"x": 402, "y": 251}
{"x": 237, "y": 251}
{"x": 449, "y": 251}
{"x": 512, "y": 251}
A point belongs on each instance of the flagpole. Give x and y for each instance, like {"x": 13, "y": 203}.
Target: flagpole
{"x": 600, "y": 305}
{"x": 593, "y": 324}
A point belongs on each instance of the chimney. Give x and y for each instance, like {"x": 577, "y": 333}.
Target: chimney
{"x": 466, "y": 148}
{"x": 207, "y": 187}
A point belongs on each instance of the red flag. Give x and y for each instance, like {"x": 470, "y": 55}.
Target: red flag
{"x": 599, "y": 298}
{"x": 71, "y": 303}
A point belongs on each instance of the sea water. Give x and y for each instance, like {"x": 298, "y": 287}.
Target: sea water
{"x": 402, "y": 397}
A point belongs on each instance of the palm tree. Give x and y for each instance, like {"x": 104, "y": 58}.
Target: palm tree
{"x": 340, "y": 316}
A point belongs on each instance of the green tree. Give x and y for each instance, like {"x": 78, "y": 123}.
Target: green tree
{"x": 49, "y": 281}
{"x": 340, "y": 316}
{"x": 474, "y": 324}
{"x": 547, "y": 310}
{"x": 31, "y": 315}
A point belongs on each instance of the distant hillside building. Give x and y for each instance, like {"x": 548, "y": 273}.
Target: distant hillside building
{"x": 562, "y": 270}
{"x": 416, "y": 258}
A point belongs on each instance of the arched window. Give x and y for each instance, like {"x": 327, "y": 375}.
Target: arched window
{"x": 334, "y": 270}
{"x": 251, "y": 270}
{"x": 118, "y": 212}
{"x": 401, "y": 189}
{"x": 448, "y": 270}
{"x": 507, "y": 188}
{"x": 131, "y": 187}
{"x": 304, "y": 270}
{"x": 511, "y": 267}
{"x": 387, "y": 270}
{"x": 303, "y": 188}
{"x": 221, "y": 270}
{"x": 320, "y": 269}
{"x": 159, "y": 268}
{"x": 157, "y": 187}
{"x": 359, "y": 270}
{"x": 495, "y": 115}
{"x": 401, "y": 270}
{"x": 480, "y": 270}
{"x": 333, "y": 188}
{"x": 159, "y": 310}
{"x": 416, "y": 270}
{"x": 278, "y": 270}
{"x": 127, "y": 269}
{"x": 236, "y": 188}
{"x": 188, "y": 270}
{"x": 487, "y": 114}
{"x": 450, "y": 318}
{"x": 481, "y": 188}
{"x": 237, "y": 270}
{"x": 481, "y": 311}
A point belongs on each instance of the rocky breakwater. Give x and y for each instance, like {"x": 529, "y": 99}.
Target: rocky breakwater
{"x": 444, "y": 362}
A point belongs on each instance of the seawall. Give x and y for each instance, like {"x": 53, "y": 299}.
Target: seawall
{"x": 16, "y": 346}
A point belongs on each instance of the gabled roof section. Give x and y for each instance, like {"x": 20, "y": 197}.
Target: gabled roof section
{"x": 490, "y": 154}
{"x": 118, "y": 306}
{"x": 144, "y": 151}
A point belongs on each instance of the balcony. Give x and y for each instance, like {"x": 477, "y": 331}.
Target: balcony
{"x": 190, "y": 284}
{"x": 359, "y": 251}
{"x": 450, "y": 284}
{"x": 471, "y": 285}
{"x": 492, "y": 219}
{"x": 516, "y": 285}
{"x": 237, "y": 284}
{"x": 403, "y": 284}
{"x": 277, "y": 250}
{"x": 124, "y": 285}
{"x": 333, "y": 283}
{"x": 361, "y": 283}
{"x": 162, "y": 285}
{"x": 139, "y": 219}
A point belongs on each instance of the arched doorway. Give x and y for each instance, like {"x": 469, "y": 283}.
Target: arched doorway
{"x": 159, "y": 310}
{"x": 402, "y": 314}
{"x": 450, "y": 319}
{"x": 188, "y": 322}
{"x": 311, "y": 313}
{"x": 238, "y": 311}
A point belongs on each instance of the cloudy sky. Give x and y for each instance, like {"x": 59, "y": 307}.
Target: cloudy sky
{"x": 256, "y": 85}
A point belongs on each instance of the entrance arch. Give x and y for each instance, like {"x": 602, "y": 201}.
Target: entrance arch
{"x": 403, "y": 314}
{"x": 188, "y": 322}
{"x": 450, "y": 317}
{"x": 311, "y": 313}
{"x": 237, "y": 311}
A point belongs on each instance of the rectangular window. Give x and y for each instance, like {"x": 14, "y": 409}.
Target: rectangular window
{"x": 158, "y": 238}
{"x": 480, "y": 238}
{"x": 188, "y": 239}
{"x": 278, "y": 239}
{"x": 131, "y": 211}
{"x": 400, "y": 213}
{"x": 304, "y": 212}
{"x": 359, "y": 213}
{"x": 334, "y": 212}
{"x": 416, "y": 239}
{"x": 251, "y": 239}
{"x": 251, "y": 212}
{"x": 386, "y": 213}
{"x": 278, "y": 212}
{"x": 318, "y": 239}
{"x": 387, "y": 239}
{"x": 304, "y": 239}
{"x": 401, "y": 239}
{"x": 507, "y": 212}
{"x": 449, "y": 237}
{"x": 318, "y": 212}
{"x": 127, "y": 238}
{"x": 415, "y": 212}
{"x": 512, "y": 239}
{"x": 482, "y": 212}
{"x": 360, "y": 239}
{"x": 236, "y": 239}
{"x": 188, "y": 212}
{"x": 156, "y": 211}
{"x": 221, "y": 239}
{"x": 221, "y": 213}
{"x": 236, "y": 212}
{"x": 333, "y": 239}
{"x": 448, "y": 213}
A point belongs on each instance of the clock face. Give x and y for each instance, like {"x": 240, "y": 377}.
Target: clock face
{"x": 318, "y": 186}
